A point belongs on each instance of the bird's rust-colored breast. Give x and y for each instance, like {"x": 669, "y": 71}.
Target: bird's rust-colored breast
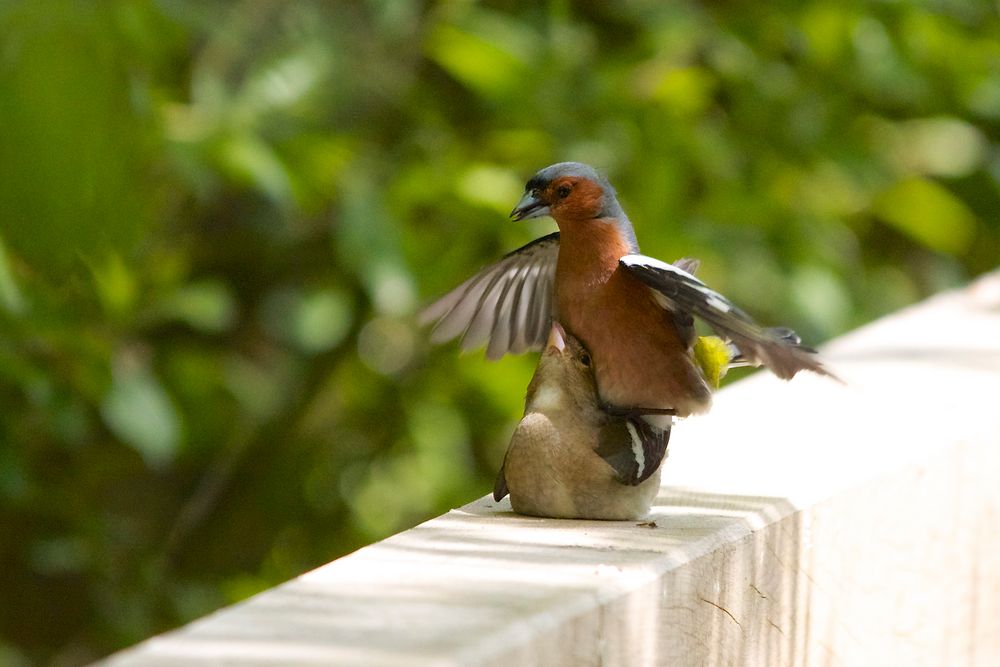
{"x": 640, "y": 359}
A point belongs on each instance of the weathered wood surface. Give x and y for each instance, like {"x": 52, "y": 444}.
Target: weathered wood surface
{"x": 806, "y": 523}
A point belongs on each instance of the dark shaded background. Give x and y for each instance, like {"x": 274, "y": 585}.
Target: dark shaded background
{"x": 218, "y": 218}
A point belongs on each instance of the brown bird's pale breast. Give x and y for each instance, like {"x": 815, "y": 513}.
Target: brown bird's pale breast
{"x": 639, "y": 357}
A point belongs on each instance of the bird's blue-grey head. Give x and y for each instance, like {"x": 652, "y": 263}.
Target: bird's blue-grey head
{"x": 552, "y": 189}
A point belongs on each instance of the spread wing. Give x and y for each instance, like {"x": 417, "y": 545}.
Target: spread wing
{"x": 510, "y": 303}
{"x": 680, "y": 292}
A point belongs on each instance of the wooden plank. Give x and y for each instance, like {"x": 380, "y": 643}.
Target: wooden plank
{"x": 805, "y": 523}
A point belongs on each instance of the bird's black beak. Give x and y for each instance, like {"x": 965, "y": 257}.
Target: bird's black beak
{"x": 530, "y": 206}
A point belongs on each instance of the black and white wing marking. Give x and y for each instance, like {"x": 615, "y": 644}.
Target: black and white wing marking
{"x": 510, "y": 303}
{"x": 684, "y": 321}
{"x": 680, "y": 292}
{"x": 633, "y": 447}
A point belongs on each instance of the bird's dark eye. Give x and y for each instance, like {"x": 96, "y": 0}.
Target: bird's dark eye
{"x": 585, "y": 359}
{"x": 563, "y": 191}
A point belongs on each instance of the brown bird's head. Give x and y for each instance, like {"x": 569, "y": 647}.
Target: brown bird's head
{"x": 572, "y": 192}
{"x": 564, "y": 378}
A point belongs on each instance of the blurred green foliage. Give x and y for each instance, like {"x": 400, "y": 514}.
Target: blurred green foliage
{"x": 218, "y": 218}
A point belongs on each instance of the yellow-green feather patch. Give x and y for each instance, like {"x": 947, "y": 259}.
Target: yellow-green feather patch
{"x": 713, "y": 356}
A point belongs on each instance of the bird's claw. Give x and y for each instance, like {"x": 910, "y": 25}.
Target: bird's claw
{"x": 635, "y": 410}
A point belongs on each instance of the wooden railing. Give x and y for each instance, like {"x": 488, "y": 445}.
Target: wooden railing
{"x": 801, "y": 523}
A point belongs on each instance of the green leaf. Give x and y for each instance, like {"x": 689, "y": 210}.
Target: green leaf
{"x": 314, "y": 321}
{"x": 11, "y": 299}
{"x": 685, "y": 90}
{"x": 138, "y": 410}
{"x": 490, "y": 186}
{"x": 115, "y": 284}
{"x": 322, "y": 319}
{"x": 482, "y": 64}
{"x": 928, "y": 213}
{"x": 249, "y": 160}
{"x": 207, "y": 306}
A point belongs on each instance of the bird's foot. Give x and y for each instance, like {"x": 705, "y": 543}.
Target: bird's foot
{"x": 635, "y": 410}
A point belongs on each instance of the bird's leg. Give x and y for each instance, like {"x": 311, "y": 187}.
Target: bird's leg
{"x": 635, "y": 410}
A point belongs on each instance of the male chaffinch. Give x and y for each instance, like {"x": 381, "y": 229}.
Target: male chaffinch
{"x": 635, "y": 314}
{"x": 568, "y": 458}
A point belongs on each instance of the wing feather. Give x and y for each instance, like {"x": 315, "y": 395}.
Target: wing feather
{"x": 502, "y": 334}
{"x": 461, "y": 303}
{"x": 520, "y": 309}
{"x": 507, "y": 304}
{"x": 680, "y": 292}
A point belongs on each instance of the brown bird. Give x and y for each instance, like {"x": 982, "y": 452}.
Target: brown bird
{"x": 634, "y": 313}
{"x": 570, "y": 459}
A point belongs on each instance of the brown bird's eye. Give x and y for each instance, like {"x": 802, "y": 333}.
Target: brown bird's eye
{"x": 563, "y": 191}
{"x": 585, "y": 359}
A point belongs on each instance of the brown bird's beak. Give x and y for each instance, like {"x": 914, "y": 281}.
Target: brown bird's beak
{"x": 530, "y": 206}
{"x": 557, "y": 338}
